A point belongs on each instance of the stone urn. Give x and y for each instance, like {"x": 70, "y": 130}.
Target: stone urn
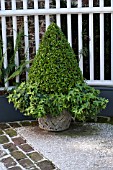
{"x": 58, "y": 123}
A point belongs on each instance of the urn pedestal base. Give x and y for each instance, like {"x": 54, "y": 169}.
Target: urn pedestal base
{"x": 58, "y": 123}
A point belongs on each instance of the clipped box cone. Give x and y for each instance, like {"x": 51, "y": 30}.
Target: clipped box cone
{"x": 55, "y": 67}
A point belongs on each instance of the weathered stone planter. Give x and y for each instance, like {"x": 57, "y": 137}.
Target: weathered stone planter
{"x": 8, "y": 112}
{"x": 58, "y": 123}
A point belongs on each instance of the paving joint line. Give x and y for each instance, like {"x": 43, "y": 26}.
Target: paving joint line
{"x": 16, "y": 153}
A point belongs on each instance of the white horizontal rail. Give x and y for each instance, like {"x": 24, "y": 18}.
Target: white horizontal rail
{"x": 85, "y": 10}
{"x": 6, "y": 88}
{"x": 108, "y": 83}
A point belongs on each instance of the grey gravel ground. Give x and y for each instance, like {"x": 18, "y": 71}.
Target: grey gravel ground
{"x": 2, "y": 167}
{"x": 83, "y": 147}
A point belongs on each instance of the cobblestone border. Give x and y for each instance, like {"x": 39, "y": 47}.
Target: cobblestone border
{"x": 16, "y": 153}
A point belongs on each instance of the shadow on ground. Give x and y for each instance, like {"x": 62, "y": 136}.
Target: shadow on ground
{"x": 75, "y": 130}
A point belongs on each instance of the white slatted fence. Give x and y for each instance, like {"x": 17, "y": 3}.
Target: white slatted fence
{"x": 46, "y": 11}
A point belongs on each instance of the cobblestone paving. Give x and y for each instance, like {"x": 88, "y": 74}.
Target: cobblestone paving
{"x": 16, "y": 153}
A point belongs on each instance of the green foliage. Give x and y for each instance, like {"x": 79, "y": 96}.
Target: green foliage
{"x": 11, "y": 65}
{"x": 82, "y": 101}
{"x": 56, "y": 83}
{"x": 55, "y": 68}
{"x": 20, "y": 69}
{"x": 12, "y": 69}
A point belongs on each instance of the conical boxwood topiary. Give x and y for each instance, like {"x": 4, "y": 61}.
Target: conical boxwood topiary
{"x": 55, "y": 67}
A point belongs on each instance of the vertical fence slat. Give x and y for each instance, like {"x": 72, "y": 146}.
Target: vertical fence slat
{"x": 36, "y": 26}
{"x": 101, "y": 43}
{"x": 4, "y": 39}
{"x": 111, "y": 42}
{"x": 15, "y": 37}
{"x": 58, "y": 19}
{"x": 26, "y": 35}
{"x": 69, "y": 23}
{"x": 91, "y": 44}
{"x": 80, "y": 36}
{"x": 47, "y": 16}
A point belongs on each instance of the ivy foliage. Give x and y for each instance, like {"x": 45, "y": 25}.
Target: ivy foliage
{"x": 82, "y": 101}
{"x": 55, "y": 68}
